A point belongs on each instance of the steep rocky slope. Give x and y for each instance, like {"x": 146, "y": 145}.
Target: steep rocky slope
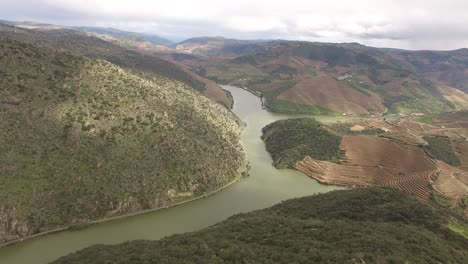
{"x": 354, "y": 226}
{"x": 83, "y": 139}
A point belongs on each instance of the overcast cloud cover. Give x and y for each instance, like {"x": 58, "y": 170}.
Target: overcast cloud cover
{"x": 409, "y": 24}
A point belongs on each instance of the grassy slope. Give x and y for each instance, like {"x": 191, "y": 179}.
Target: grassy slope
{"x": 371, "y": 225}
{"x": 289, "y": 141}
{"x": 82, "y": 139}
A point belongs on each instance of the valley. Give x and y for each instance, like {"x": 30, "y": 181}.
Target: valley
{"x": 264, "y": 187}
{"x": 369, "y": 225}
{"x": 109, "y": 136}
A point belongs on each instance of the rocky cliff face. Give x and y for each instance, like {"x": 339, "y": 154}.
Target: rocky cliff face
{"x": 85, "y": 139}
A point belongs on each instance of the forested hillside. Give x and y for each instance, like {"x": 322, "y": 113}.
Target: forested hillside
{"x": 83, "y": 139}
{"x": 289, "y": 141}
{"x": 80, "y": 44}
{"x": 372, "y": 225}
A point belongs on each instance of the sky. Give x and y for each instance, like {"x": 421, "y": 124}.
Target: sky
{"x": 407, "y": 24}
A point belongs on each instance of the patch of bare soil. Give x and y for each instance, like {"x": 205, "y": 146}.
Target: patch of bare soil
{"x": 327, "y": 92}
{"x": 375, "y": 161}
{"x": 452, "y": 182}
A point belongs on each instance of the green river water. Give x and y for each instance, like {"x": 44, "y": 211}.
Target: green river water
{"x": 265, "y": 186}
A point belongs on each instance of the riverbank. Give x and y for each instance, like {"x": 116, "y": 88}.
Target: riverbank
{"x": 264, "y": 187}
{"x": 108, "y": 219}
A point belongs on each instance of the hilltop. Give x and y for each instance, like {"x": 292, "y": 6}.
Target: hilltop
{"x": 107, "y": 47}
{"x": 328, "y": 78}
{"x": 293, "y": 76}
{"x": 371, "y": 225}
{"x": 83, "y": 139}
{"x": 131, "y": 36}
{"x": 290, "y": 140}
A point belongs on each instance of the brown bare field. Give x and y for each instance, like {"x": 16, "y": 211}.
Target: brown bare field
{"x": 452, "y": 117}
{"x": 452, "y": 182}
{"x": 405, "y": 137}
{"x": 454, "y": 95}
{"x": 337, "y": 174}
{"x": 415, "y": 127}
{"x": 378, "y": 123}
{"x": 213, "y": 90}
{"x": 375, "y": 161}
{"x": 456, "y": 134}
{"x": 377, "y": 151}
{"x": 327, "y": 92}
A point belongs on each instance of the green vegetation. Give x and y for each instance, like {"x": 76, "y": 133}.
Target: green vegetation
{"x": 426, "y": 119}
{"x": 368, "y": 225}
{"x": 290, "y": 140}
{"x": 461, "y": 228}
{"x": 396, "y": 80}
{"x": 358, "y": 84}
{"x": 343, "y": 128}
{"x": 231, "y": 72}
{"x": 80, "y": 44}
{"x": 83, "y": 139}
{"x": 424, "y": 105}
{"x": 441, "y": 149}
{"x": 282, "y": 106}
{"x": 273, "y": 104}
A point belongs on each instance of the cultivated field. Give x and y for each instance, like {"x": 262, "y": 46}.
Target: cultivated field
{"x": 329, "y": 93}
{"x": 375, "y": 161}
{"x": 403, "y": 154}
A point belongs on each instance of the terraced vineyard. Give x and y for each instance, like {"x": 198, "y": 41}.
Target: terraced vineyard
{"x": 417, "y": 184}
{"x": 394, "y": 153}
{"x": 373, "y": 161}
{"x": 453, "y": 184}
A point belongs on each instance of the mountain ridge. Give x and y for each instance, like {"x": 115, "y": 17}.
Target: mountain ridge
{"x": 84, "y": 139}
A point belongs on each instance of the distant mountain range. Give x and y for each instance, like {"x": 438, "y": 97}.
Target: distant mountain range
{"x": 101, "y": 46}
{"x": 306, "y": 77}
{"x": 154, "y": 39}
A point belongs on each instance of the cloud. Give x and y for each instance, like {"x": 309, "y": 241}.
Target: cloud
{"x": 415, "y": 24}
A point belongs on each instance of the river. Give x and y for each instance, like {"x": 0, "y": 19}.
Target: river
{"x": 265, "y": 186}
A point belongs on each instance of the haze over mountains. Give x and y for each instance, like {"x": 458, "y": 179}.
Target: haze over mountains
{"x": 101, "y": 123}
{"x": 317, "y": 78}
